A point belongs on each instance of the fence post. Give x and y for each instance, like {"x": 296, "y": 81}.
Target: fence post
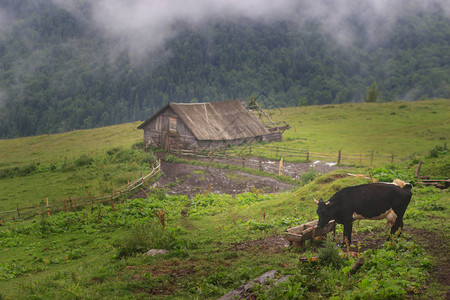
{"x": 65, "y": 206}
{"x": 48, "y": 210}
{"x": 392, "y": 160}
{"x": 243, "y": 162}
{"x": 210, "y": 155}
{"x": 280, "y": 169}
{"x": 260, "y": 165}
{"x": 418, "y": 169}
{"x": 18, "y": 211}
{"x": 70, "y": 203}
{"x": 339, "y": 157}
{"x": 111, "y": 201}
{"x": 307, "y": 154}
{"x": 250, "y": 149}
{"x": 360, "y": 159}
{"x": 371, "y": 159}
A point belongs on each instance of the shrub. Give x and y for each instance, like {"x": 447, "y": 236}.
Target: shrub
{"x": 143, "y": 237}
{"x": 438, "y": 150}
{"x": 308, "y": 176}
{"x": 330, "y": 254}
{"x": 84, "y": 160}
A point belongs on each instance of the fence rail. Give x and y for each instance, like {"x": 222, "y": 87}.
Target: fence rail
{"x": 251, "y": 156}
{"x": 277, "y": 152}
{"x": 71, "y": 204}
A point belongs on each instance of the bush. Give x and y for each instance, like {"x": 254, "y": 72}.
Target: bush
{"x": 143, "y": 237}
{"x": 84, "y": 160}
{"x": 438, "y": 150}
{"x": 330, "y": 254}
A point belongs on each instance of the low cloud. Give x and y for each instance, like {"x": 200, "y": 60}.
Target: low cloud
{"x": 141, "y": 27}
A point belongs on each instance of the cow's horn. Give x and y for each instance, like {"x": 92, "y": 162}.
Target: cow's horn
{"x": 317, "y": 202}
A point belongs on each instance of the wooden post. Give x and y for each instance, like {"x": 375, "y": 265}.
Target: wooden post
{"x": 195, "y": 152}
{"x": 260, "y": 165}
{"x": 392, "y": 160}
{"x": 371, "y": 159}
{"x": 418, "y": 169}
{"x": 159, "y": 166}
{"x": 48, "y": 210}
{"x": 65, "y": 206}
{"x": 307, "y": 154}
{"x": 18, "y": 211}
{"x": 70, "y": 203}
{"x": 250, "y": 149}
{"x": 112, "y": 202}
{"x": 243, "y": 162}
{"x": 339, "y": 157}
{"x": 280, "y": 169}
{"x": 210, "y": 155}
{"x": 360, "y": 159}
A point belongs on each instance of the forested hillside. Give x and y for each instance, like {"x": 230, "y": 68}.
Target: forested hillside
{"x": 58, "y": 72}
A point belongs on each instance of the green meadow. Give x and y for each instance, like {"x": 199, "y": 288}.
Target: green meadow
{"x": 219, "y": 242}
{"x": 402, "y": 128}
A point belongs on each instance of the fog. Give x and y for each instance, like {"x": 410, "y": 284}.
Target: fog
{"x": 144, "y": 26}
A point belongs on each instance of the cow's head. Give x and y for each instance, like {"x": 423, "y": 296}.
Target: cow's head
{"x": 324, "y": 211}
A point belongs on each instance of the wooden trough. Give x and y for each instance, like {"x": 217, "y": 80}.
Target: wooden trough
{"x": 297, "y": 236}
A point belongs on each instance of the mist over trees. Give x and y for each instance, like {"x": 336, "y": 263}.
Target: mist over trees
{"x": 59, "y": 73}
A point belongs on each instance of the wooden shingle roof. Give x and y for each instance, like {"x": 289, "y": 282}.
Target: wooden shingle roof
{"x": 225, "y": 120}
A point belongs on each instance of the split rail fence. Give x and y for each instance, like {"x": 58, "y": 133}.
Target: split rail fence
{"x": 71, "y": 204}
{"x": 277, "y": 152}
{"x": 270, "y": 157}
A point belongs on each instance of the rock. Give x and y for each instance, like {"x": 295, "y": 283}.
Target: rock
{"x": 154, "y": 252}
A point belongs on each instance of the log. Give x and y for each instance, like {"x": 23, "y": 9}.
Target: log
{"x": 357, "y": 265}
{"x": 234, "y": 294}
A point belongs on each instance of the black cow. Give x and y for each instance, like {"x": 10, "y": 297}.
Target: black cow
{"x": 373, "y": 201}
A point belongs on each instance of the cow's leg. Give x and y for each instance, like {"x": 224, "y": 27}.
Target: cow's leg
{"x": 398, "y": 221}
{"x": 348, "y": 232}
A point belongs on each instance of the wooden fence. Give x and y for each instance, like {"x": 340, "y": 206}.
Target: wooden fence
{"x": 270, "y": 158}
{"x": 277, "y": 152}
{"x": 71, "y": 204}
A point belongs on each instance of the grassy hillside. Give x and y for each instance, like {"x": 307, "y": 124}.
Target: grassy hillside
{"x": 45, "y": 148}
{"x": 402, "y": 128}
{"x": 218, "y": 242}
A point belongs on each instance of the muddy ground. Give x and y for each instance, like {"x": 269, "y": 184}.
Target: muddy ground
{"x": 186, "y": 179}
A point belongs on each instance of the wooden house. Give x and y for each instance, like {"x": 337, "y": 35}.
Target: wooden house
{"x": 205, "y": 125}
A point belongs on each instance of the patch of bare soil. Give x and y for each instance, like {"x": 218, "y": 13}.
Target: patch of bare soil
{"x": 270, "y": 244}
{"x": 438, "y": 248}
{"x": 186, "y": 179}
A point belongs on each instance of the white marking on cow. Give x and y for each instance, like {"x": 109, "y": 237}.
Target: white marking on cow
{"x": 390, "y": 216}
